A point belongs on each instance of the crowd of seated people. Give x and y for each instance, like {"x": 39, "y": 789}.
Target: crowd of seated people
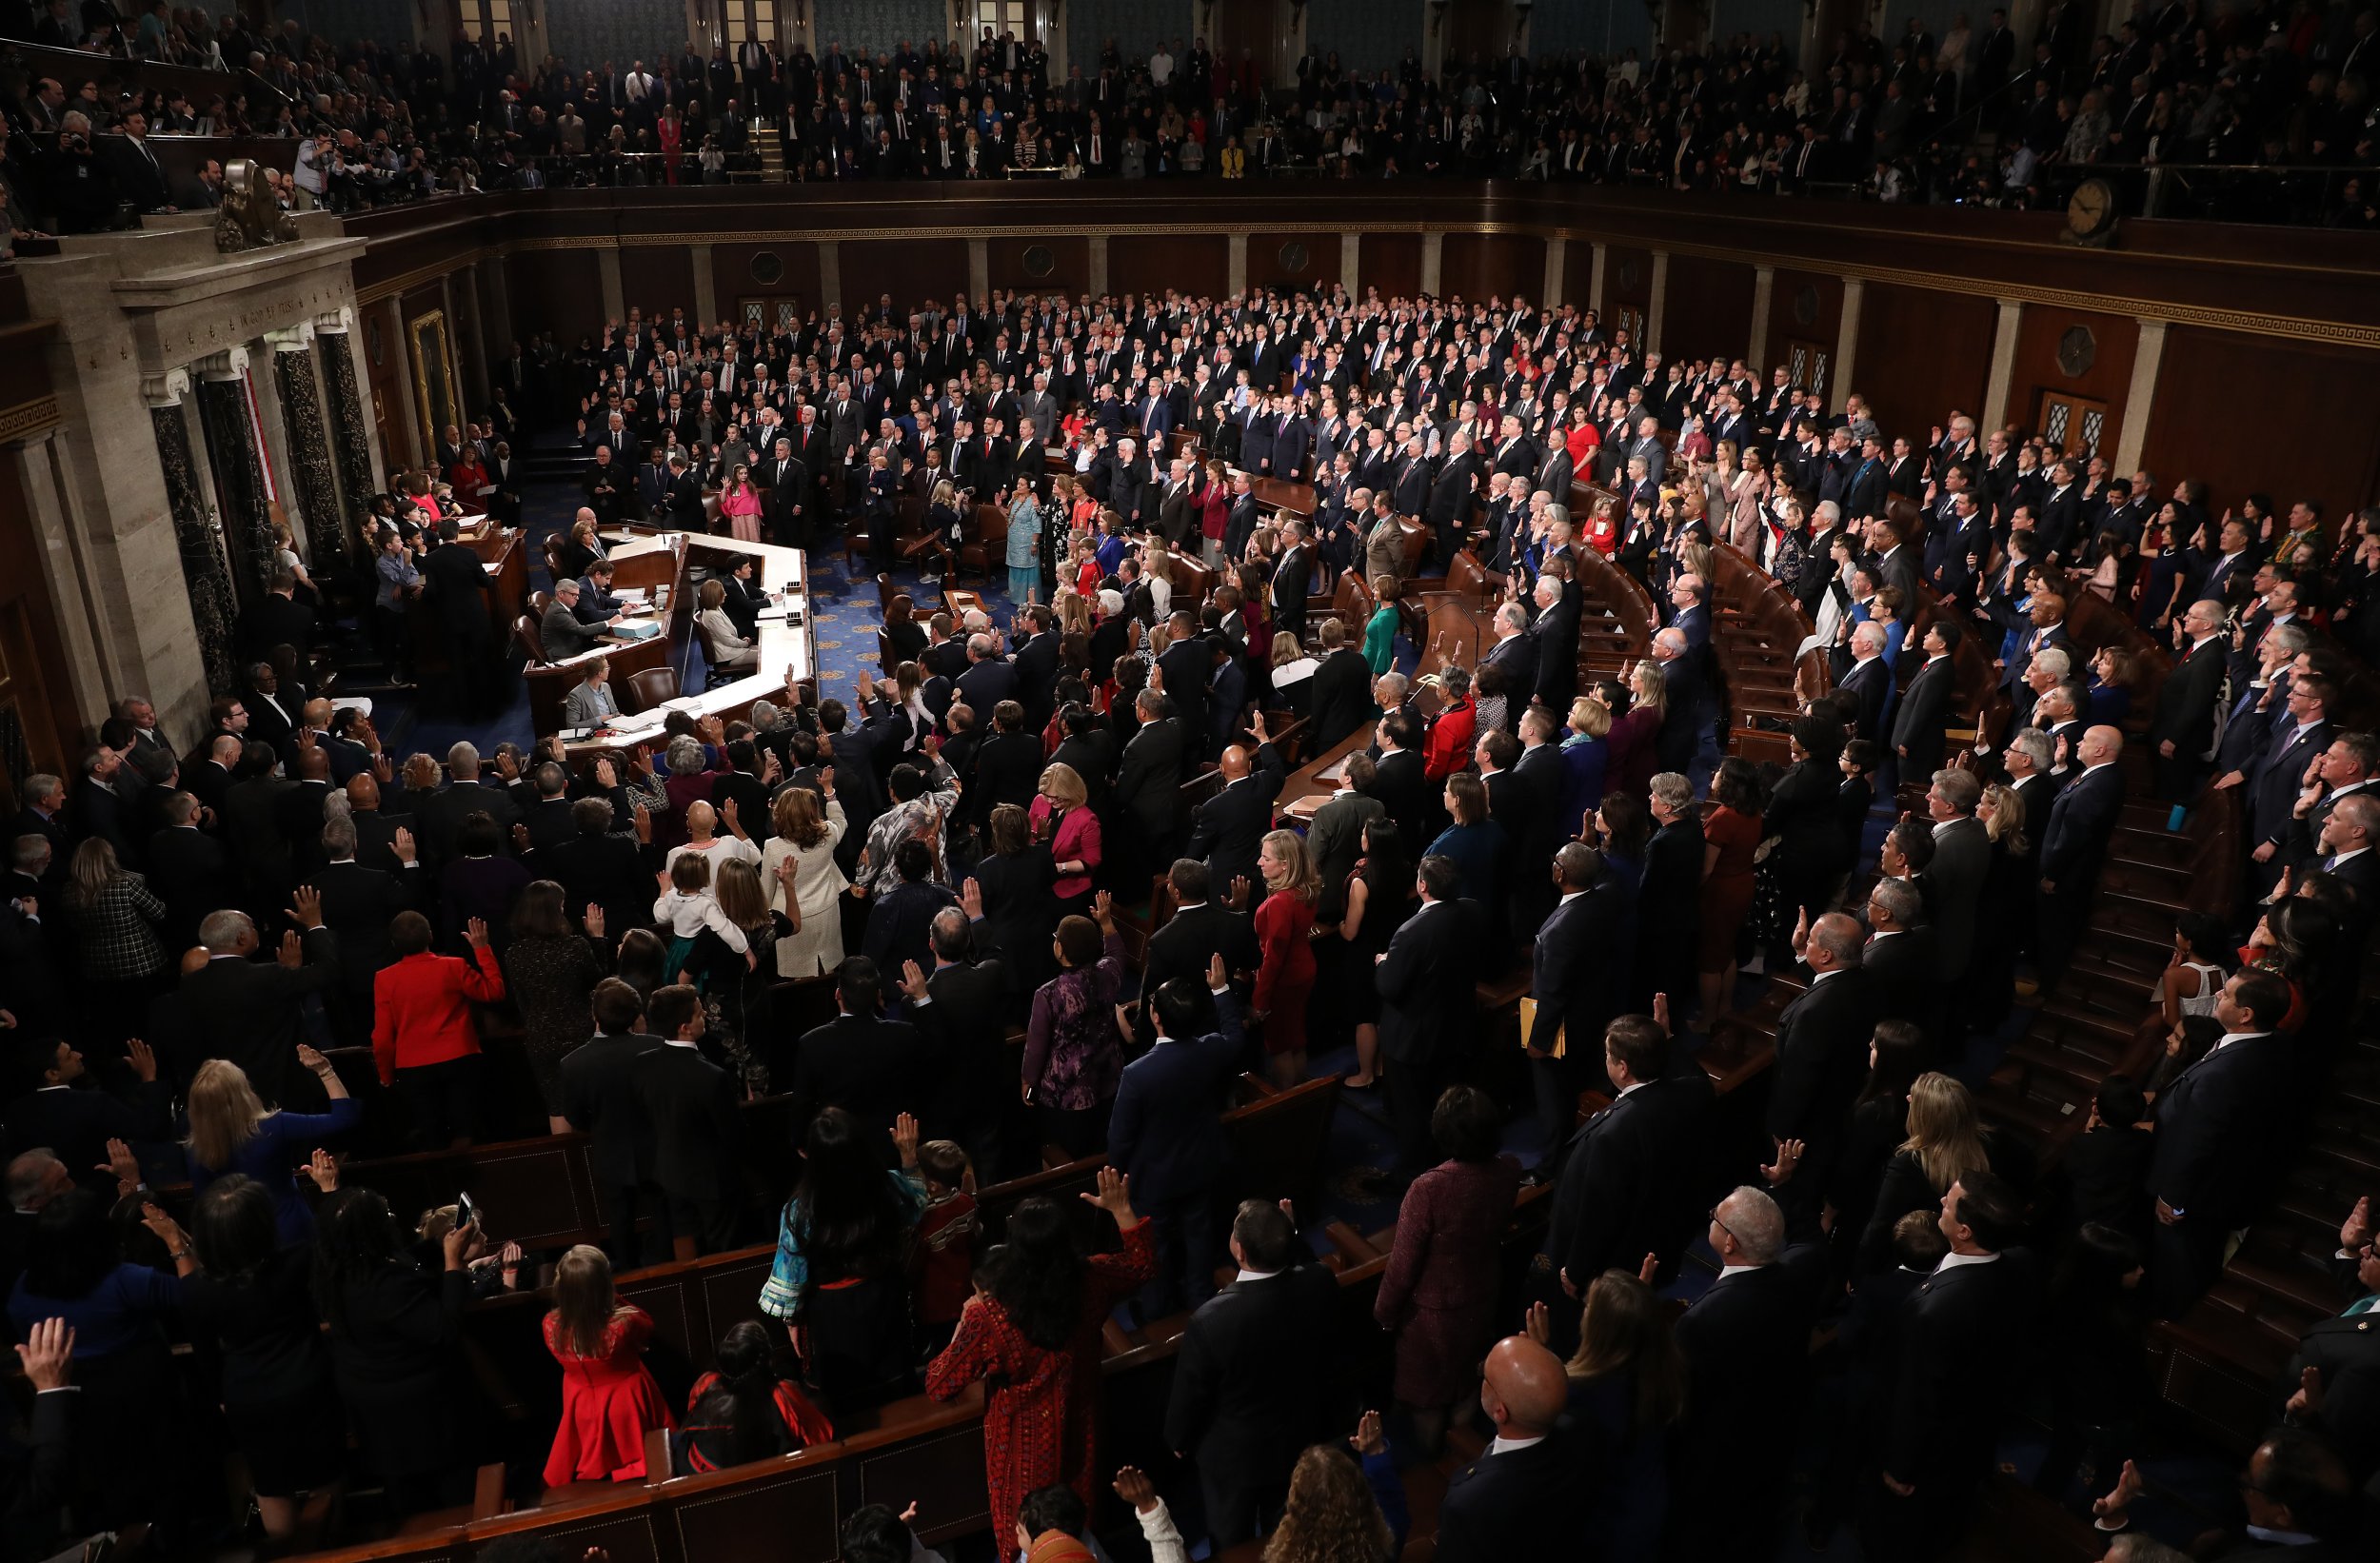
{"x": 1976, "y": 115}
{"x": 207, "y": 953}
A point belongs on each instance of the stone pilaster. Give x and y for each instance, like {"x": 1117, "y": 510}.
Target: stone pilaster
{"x": 230, "y": 431}
{"x": 309, "y": 451}
{"x": 213, "y": 611}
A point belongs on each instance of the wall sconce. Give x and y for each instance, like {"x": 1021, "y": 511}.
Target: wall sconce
{"x": 1438, "y": 16}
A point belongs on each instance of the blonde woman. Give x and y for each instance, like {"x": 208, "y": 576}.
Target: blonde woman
{"x": 1945, "y": 1144}
{"x": 2008, "y": 892}
{"x": 1061, "y": 817}
{"x": 1284, "y": 928}
{"x": 232, "y": 1131}
{"x": 723, "y": 648}
{"x": 1747, "y": 497}
{"x": 803, "y": 878}
{"x": 1158, "y": 570}
{"x": 1633, "y": 758}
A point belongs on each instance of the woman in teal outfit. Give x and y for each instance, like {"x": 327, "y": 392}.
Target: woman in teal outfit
{"x": 1024, "y": 544}
{"x": 1379, "y": 635}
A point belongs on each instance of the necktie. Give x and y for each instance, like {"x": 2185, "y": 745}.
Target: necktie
{"x": 2361, "y": 1305}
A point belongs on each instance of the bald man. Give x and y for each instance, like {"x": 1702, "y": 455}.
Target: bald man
{"x": 2073, "y": 841}
{"x": 1520, "y": 1499}
{"x": 1226, "y": 830}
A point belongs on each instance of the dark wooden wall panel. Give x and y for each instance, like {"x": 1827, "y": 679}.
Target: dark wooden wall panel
{"x": 1627, "y": 280}
{"x": 1483, "y": 265}
{"x": 1577, "y": 274}
{"x": 658, "y": 278}
{"x": 1266, "y": 268}
{"x": 557, "y": 292}
{"x": 1069, "y": 274}
{"x": 2195, "y": 432}
{"x": 1803, "y": 307}
{"x": 1707, "y": 310}
{"x": 1921, "y": 353}
{"x": 383, "y": 352}
{"x": 797, "y": 279}
{"x": 911, "y": 271}
{"x": 1195, "y": 263}
{"x": 1392, "y": 263}
{"x": 2107, "y": 376}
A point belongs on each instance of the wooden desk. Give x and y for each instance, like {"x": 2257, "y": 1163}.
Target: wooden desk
{"x": 676, "y": 556}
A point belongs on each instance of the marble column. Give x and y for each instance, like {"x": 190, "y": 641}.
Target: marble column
{"x": 1351, "y": 264}
{"x": 230, "y": 431}
{"x": 310, "y": 470}
{"x": 351, "y": 437}
{"x": 204, "y": 573}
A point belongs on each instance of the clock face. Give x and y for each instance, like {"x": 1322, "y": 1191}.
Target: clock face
{"x": 2091, "y": 208}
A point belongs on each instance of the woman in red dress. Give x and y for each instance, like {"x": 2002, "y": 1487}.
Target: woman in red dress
{"x": 1284, "y": 978}
{"x": 1437, "y": 1296}
{"x": 1731, "y": 833}
{"x": 1032, "y": 1335}
{"x": 672, "y": 142}
{"x": 610, "y": 1401}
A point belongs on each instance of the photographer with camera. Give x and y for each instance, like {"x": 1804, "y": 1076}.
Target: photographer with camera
{"x": 80, "y": 189}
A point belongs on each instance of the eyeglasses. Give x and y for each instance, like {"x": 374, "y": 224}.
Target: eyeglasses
{"x": 1722, "y": 1225}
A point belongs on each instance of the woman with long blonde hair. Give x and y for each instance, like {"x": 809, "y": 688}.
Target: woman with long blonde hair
{"x": 804, "y": 879}
{"x": 1284, "y": 928}
{"x": 233, "y": 1131}
{"x": 1945, "y": 1144}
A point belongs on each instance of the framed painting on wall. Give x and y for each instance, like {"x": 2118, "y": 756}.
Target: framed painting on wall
{"x": 433, "y": 374}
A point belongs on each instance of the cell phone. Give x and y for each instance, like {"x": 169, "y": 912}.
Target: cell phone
{"x": 466, "y": 1212}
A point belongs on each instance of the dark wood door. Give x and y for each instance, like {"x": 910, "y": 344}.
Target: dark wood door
{"x": 1477, "y": 28}
{"x": 1252, "y": 25}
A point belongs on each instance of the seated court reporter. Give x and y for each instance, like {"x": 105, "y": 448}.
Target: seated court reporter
{"x": 423, "y": 1035}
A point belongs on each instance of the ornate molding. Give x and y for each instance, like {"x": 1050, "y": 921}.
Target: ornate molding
{"x": 335, "y": 321}
{"x": 293, "y": 338}
{"x": 27, "y": 419}
{"x": 166, "y": 389}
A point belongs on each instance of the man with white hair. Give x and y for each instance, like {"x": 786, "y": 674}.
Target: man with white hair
{"x": 1869, "y": 681}
{"x": 1745, "y": 1343}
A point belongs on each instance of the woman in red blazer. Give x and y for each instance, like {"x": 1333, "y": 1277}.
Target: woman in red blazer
{"x": 422, "y": 1031}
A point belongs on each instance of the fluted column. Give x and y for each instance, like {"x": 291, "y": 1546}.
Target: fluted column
{"x": 350, "y": 439}
{"x": 309, "y": 449}
{"x": 231, "y": 430}
{"x": 213, "y": 611}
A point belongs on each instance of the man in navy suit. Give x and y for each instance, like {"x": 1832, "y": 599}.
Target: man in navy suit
{"x": 1166, "y": 1132}
{"x": 1520, "y": 1499}
{"x": 1868, "y": 679}
{"x": 1426, "y": 980}
{"x": 2216, "y": 1129}
{"x": 2073, "y": 843}
{"x": 2273, "y": 789}
{"x": 1571, "y": 977}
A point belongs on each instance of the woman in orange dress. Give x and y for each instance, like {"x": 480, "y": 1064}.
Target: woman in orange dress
{"x": 1284, "y": 978}
{"x": 610, "y": 1401}
{"x": 1731, "y": 833}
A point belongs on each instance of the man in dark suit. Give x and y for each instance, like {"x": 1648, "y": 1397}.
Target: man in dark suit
{"x": 1822, "y": 1053}
{"x": 1745, "y": 1343}
{"x": 1251, "y": 1388}
{"x": 1918, "y": 725}
{"x": 1399, "y": 780}
{"x": 278, "y": 619}
{"x": 1669, "y": 917}
{"x": 872, "y": 1068}
{"x": 189, "y": 868}
{"x": 1037, "y": 666}
{"x": 1520, "y": 1499}
{"x": 1199, "y": 929}
{"x": 1901, "y": 963}
{"x": 1183, "y": 667}
{"x": 1558, "y": 600}
{"x": 959, "y": 1008}
{"x": 249, "y": 1011}
{"x": 456, "y": 584}
{"x": 1167, "y": 1131}
{"x": 1342, "y": 691}
{"x": 596, "y": 868}
{"x": 602, "y": 1097}
{"x": 2082, "y": 821}
{"x": 2343, "y": 1350}
{"x": 1226, "y": 830}
{"x": 2298, "y": 738}
{"x": 1425, "y": 980}
{"x": 357, "y": 904}
{"x": 1867, "y": 679}
{"x": 988, "y": 680}
{"x": 1961, "y": 1340}
{"x": 900, "y": 919}
{"x": 2215, "y": 1138}
{"x": 1572, "y": 980}
{"x": 64, "y": 1109}
{"x": 2183, "y": 728}
{"x": 1290, "y": 578}
{"x": 691, "y": 1104}
{"x": 1630, "y": 1174}
{"x": 1962, "y": 860}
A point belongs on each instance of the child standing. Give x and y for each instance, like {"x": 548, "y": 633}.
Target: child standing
{"x": 945, "y": 1246}
{"x": 610, "y": 1401}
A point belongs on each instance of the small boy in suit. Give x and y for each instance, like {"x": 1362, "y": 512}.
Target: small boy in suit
{"x": 945, "y": 1245}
